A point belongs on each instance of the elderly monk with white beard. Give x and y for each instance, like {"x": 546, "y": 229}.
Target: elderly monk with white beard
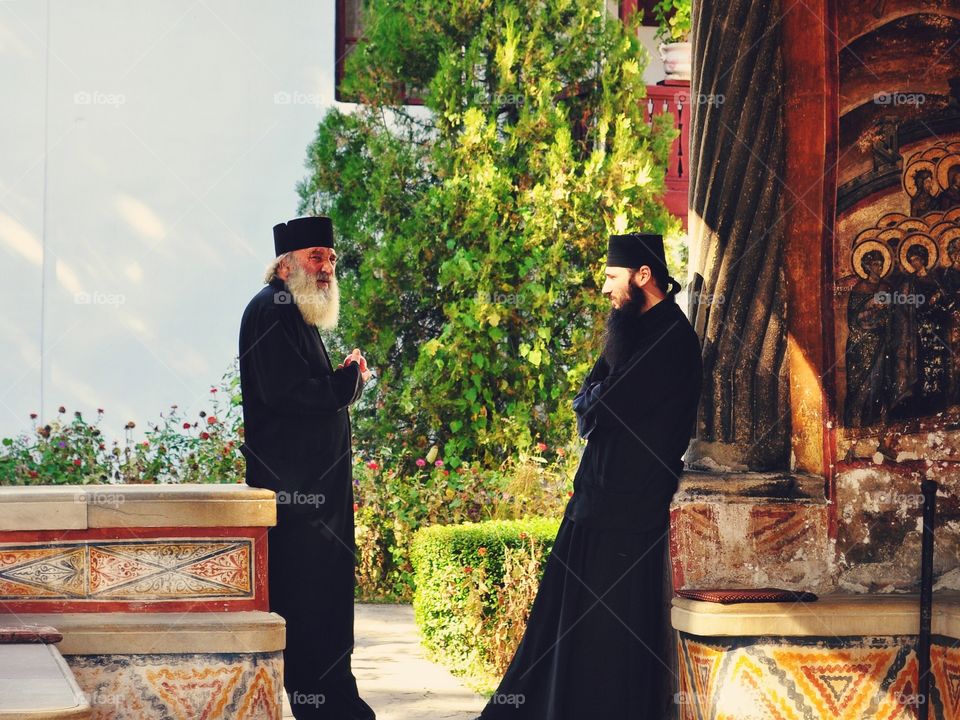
{"x": 297, "y": 442}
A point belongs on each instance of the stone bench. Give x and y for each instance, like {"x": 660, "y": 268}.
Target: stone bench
{"x": 842, "y": 656}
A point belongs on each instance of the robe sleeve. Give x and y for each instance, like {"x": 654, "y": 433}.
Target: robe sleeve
{"x": 282, "y": 375}
{"x": 636, "y": 387}
{"x": 585, "y": 420}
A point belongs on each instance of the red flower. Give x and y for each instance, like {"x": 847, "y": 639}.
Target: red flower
{"x": 102, "y": 446}
{"x": 542, "y": 446}
{"x": 213, "y": 390}
{"x": 523, "y": 536}
{"x": 204, "y": 436}
{"x": 61, "y": 409}
{"x": 481, "y": 551}
{"x": 356, "y": 507}
{"x": 99, "y": 411}
{"x": 145, "y": 443}
{"x": 211, "y": 420}
{"x": 33, "y": 416}
{"x": 78, "y": 462}
{"x": 373, "y": 465}
{"x": 468, "y": 569}
{"x": 446, "y": 472}
{"x": 186, "y": 426}
{"x": 33, "y": 473}
{"x": 570, "y": 493}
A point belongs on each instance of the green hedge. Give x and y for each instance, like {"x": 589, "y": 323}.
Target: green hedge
{"x": 475, "y": 583}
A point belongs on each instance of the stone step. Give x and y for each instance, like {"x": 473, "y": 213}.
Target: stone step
{"x": 36, "y": 683}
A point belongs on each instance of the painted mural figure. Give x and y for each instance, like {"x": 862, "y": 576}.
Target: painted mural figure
{"x": 867, "y": 356}
{"x": 923, "y": 355}
{"x": 950, "y": 282}
{"x": 950, "y": 197}
{"x": 924, "y": 200}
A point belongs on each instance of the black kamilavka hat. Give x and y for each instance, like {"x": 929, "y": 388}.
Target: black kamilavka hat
{"x": 635, "y": 249}
{"x": 301, "y": 233}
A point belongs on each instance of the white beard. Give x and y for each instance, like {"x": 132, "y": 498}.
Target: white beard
{"x": 319, "y": 306}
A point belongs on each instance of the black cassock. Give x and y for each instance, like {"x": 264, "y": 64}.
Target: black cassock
{"x": 593, "y": 647}
{"x": 297, "y": 442}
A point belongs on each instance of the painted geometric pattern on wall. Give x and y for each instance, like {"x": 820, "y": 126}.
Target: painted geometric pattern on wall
{"x": 228, "y": 686}
{"x": 811, "y": 678}
{"x": 157, "y": 569}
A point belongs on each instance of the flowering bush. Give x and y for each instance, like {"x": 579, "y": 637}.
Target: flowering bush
{"x": 398, "y": 494}
{"x": 175, "y": 449}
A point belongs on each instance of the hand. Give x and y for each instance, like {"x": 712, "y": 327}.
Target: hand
{"x": 357, "y": 357}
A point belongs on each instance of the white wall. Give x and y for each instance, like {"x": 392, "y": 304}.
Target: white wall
{"x": 147, "y": 150}
{"x": 145, "y": 157}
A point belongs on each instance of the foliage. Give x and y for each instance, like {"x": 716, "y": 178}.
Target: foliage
{"x": 396, "y": 495}
{"x": 472, "y": 231}
{"x": 175, "y": 449}
{"x": 475, "y": 585}
{"x": 674, "y": 18}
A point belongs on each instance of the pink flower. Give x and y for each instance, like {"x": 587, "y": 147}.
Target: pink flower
{"x": 211, "y": 420}
{"x": 439, "y": 463}
{"x": 186, "y": 426}
{"x": 421, "y": 462}
{"x": 541, "y": 446}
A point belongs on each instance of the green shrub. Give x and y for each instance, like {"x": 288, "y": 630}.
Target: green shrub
{"x": 398, "y": 493}
{"x": 475, "y": 584}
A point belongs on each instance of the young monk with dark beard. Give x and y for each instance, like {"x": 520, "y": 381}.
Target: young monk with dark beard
{"x": 593, "y": 642}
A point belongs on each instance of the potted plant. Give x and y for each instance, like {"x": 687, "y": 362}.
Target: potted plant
{"x": 674, "y": 19}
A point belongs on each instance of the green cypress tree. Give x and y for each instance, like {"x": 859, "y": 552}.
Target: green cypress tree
{"x": 473, "y": 229}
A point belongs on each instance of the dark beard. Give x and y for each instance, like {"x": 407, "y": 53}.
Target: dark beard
{"x": 623, "y": 328}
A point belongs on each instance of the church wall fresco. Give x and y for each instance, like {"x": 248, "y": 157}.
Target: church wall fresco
{"x": 896, "y": 288}
{"x": 897, "y": 244}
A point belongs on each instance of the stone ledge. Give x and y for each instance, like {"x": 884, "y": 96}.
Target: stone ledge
{"x": 37, "y": 684}
{"x": 706, "y": 486}
{"x": 81, "y": 507}
{"x": 164, "y": 633}
{"x": 830, "y": 616}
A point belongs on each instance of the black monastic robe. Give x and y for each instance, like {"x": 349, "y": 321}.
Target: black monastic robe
{"x": 297, "y": 442}
{"x": 593, "y": 646}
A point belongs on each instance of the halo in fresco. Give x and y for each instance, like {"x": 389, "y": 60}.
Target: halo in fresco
{"x": 866, "y": 246}
{"x": 926, "y": 241}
